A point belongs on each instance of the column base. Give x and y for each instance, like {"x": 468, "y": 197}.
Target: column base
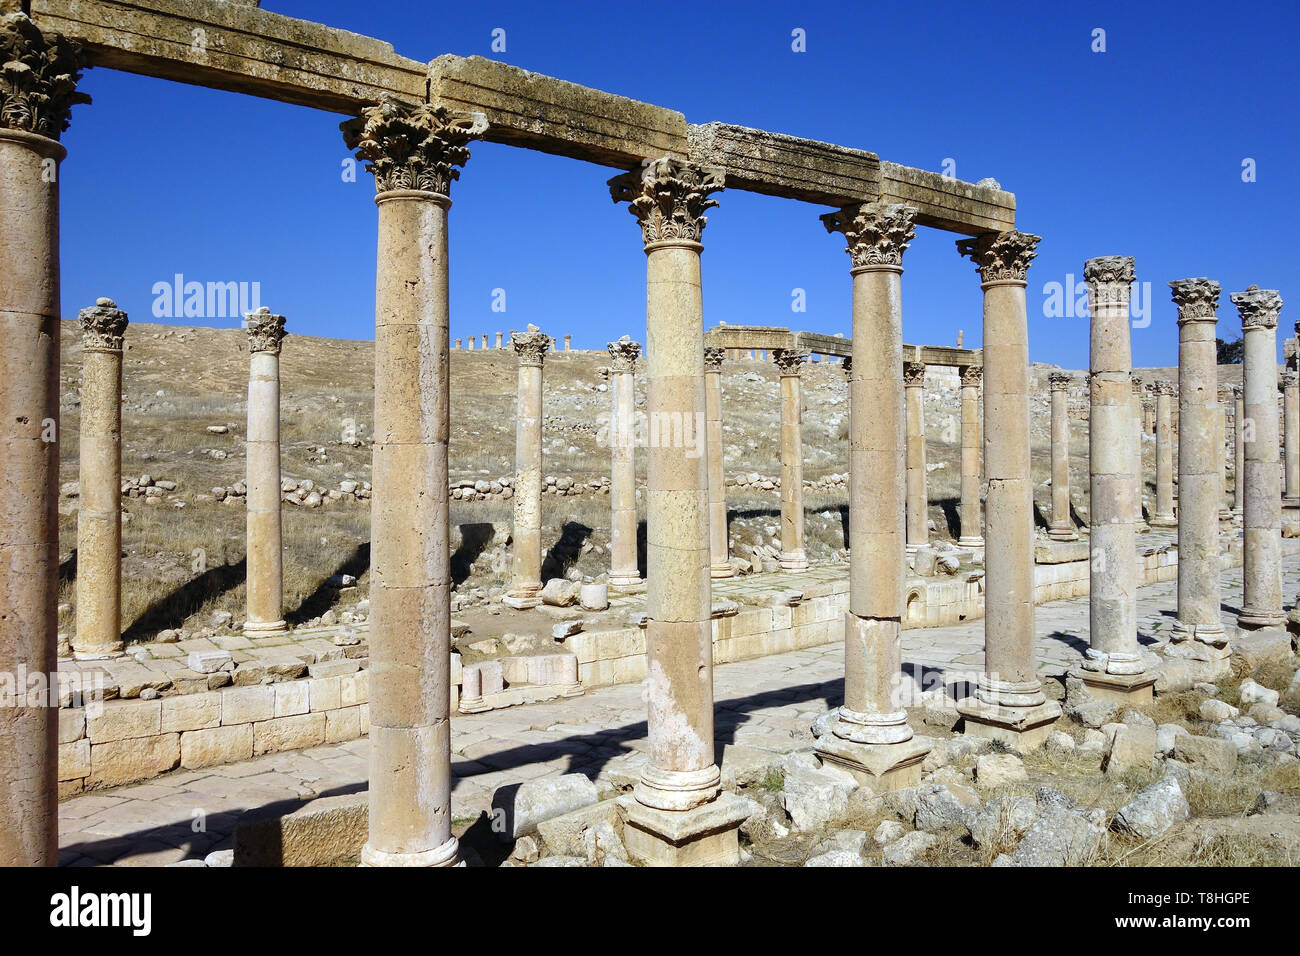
{"x": 99, "y": 655}
{"x": 1254, "y": 619}
{"x": 794, "y": 561}
{"x": 626, "y": 582}
{"x": 446, "y": 855}
{"x": 973, "y": 541}
{"x": 1290, "y": 501}
{"x": 706, "y": 835}
{"x": 1063, "y": 534}
{"x": 677, "y": 790}
{"x": 878, "y": 767}
{"x": 521, "y": 602}
{"x": 473, "y": 705}
{"x": 1124, "y": 689}
{"x": 1164, "y": 521}
{"x": 1227, "y": 514}
{"x": 1020, "y": 728}
{"x": 722, "y": 570}
{"x": 265, "y": 627}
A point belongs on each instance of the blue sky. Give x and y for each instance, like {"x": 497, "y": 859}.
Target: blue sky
{"x": 1134, "y": 151}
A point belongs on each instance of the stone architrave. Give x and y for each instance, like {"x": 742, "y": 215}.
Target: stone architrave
{"x": 1112, "y": 667}
{"x": 918, "y": 511}
{"x": 99, "y": 519}
{"x": 413, "y": 151}
{"x": 790, "y": 364}
{"x": 1198, "y": 635}
{"x": 526, "y": 568}
{"x": 972, "y": 535}
{"x": 39, "y": 88}
{"x": 624, "y": 572}
{"x": 265, "y": 576}
{"x": 1010, "y": 704}
{"x": 1062, "y": 525}
{"x": 1164, "y": 516}
{"x": 870, "y": 736}
{"x": 1261, "y": 605}
{"x": 719, "y": 540}
{"x": 678, "y": 814}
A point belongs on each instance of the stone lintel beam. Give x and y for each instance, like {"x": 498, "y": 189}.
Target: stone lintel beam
{"x": 776, "y": 337}
{"x": 943, "y": 203}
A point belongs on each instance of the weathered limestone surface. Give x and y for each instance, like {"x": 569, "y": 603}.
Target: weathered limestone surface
{"x": 265, "y": 549}
{"x": 680, "y": 782}
{"x": 1261, "y": 557}
{"x": 1113, "y": 668}
{"x": 1010, "y": 704}
{"x": 413, "y": 153}
{"x": 1198, "y": 634}
{"x": 918, "y": 518}
{"x": 1062, "y": 526}
{"x": 1164, "y": 516}
{"x": 99, "y": 520}
{"x": 972, "y": 535}
{"x": 1221, "y": 453}
{"x": 624, "y": 571}
{"x": 790, "y": 363}
{"x": 1135, "y": 430}
{"x": 526, "y": 568}
{"x": 870, "y": 737}
{"x": 29, "y": 417}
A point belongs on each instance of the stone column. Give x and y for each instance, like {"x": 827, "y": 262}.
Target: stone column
{"x": 485, "y": 345}
{"x": 568, "y": 342}
{"x": 526, "y": 567}
{"x": 413, "y": 152}
{"x": 1291, "y": 443}
{"x": 498, "y": 341}
{"x": 1112, "y": 667}
{"x": 719, "y": 539}
{"x": 870, "y": 737}
{"x": 678, "y": 814}
{"x": 41, "y": 72}
{"x": 1225, "y": 512}
{"x": 1164, "y": 516}
{"x": 1062, "y": 526}
{"x": 265, "y": 592}
{"x": 1135, "y": 432}
{"x": 918, "y": 517}
{"x": 1262, "y": 536}
{"x": 99, "y": 520}
{"x": 1010, "y": 705}
{"x": 790, "y": 363}
{"x": 623, "y": 572}
{"x": 971, "y": 533}
{"x": 1198, "y": 636}
{"x": 1239, "y": 451}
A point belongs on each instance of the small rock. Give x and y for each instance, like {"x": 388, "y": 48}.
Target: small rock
{"x": 999, "y": 770}
{"x": 1154, "y": 810}
{"x": 887, "y": 832}
{"x": 1216, "y": 710}
{"x": 908, "y": 850}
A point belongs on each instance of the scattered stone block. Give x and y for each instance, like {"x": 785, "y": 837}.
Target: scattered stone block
{"x": 1154, "y": 810}
{"x": 527, "y": 804}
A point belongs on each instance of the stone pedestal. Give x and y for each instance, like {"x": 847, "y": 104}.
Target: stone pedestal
{"x": 526, "y": 567}
{"x": 99, "y": 520}
{"x": 668, "y": 198}
{"x": 1112, "y": 666}
{"x": 918, "y": 517}
{"x": 1164, "y": 516}
{"x": 265, "y": 588}
{"x": 1291, "y": 436}
{"x": 1062, "y": 526}
{"x": 972, "y": 535}
{"x": 1198, "y": 634}
{"x": 790, "y": 363}
{"x": 1010, "y": 704}
{"x": 410, "y": 587}
{"x": 706, "y": 835}
{"x": 870, "y": 736}
{"x": 624, "y": 573}
{"x": 719, "y": 542}
{"x": 1262, "y": 535}
{"x": 41, "y": 70}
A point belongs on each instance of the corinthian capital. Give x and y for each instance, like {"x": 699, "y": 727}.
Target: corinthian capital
{"x": 1058, "y": 381}
{"x": 789, "y": 361}
{"x": 971, "y": 374}
{"x": 530, "y": 346}
{"x": 878, "y": 233}
{"x": 713, "y": 358}
{"x": 1258, "y": 307}
{"x": 38, "y": 77}
{"x": 102, "y": 327}
{"x": 624, "y": 354}
{"x": 1001, "y": 256}
{"x": 265, "y": 331}
{"x": 669, "y": 198}
{"x": 1196, "y": 299}
{"x": 913, "y": 374}
{"x": 1165, "y": 387}
{"x": 413, "y": 146}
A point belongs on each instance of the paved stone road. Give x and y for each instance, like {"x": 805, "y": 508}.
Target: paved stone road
{"x": 761, "y": 703}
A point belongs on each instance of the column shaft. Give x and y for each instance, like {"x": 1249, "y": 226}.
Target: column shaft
{"x": 265, "y": 573}
{"x": 526, "y": 569}
{"x": 793, "y": 556}
{"x": 1164, "y": 516}
{"x": 1062, "y": 526}
{"x": 1291, "y": 437}
{"x": 624, "y": 571}
{"x": 972, "y": 534}
{"x": 719, "y": 543}
{"x": 918, "y": 517}
{"x": 1239, "y": 451}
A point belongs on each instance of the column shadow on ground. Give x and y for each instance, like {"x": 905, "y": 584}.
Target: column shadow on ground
{"x": 172, "y": 610}
{"x": 323, "y": 598}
